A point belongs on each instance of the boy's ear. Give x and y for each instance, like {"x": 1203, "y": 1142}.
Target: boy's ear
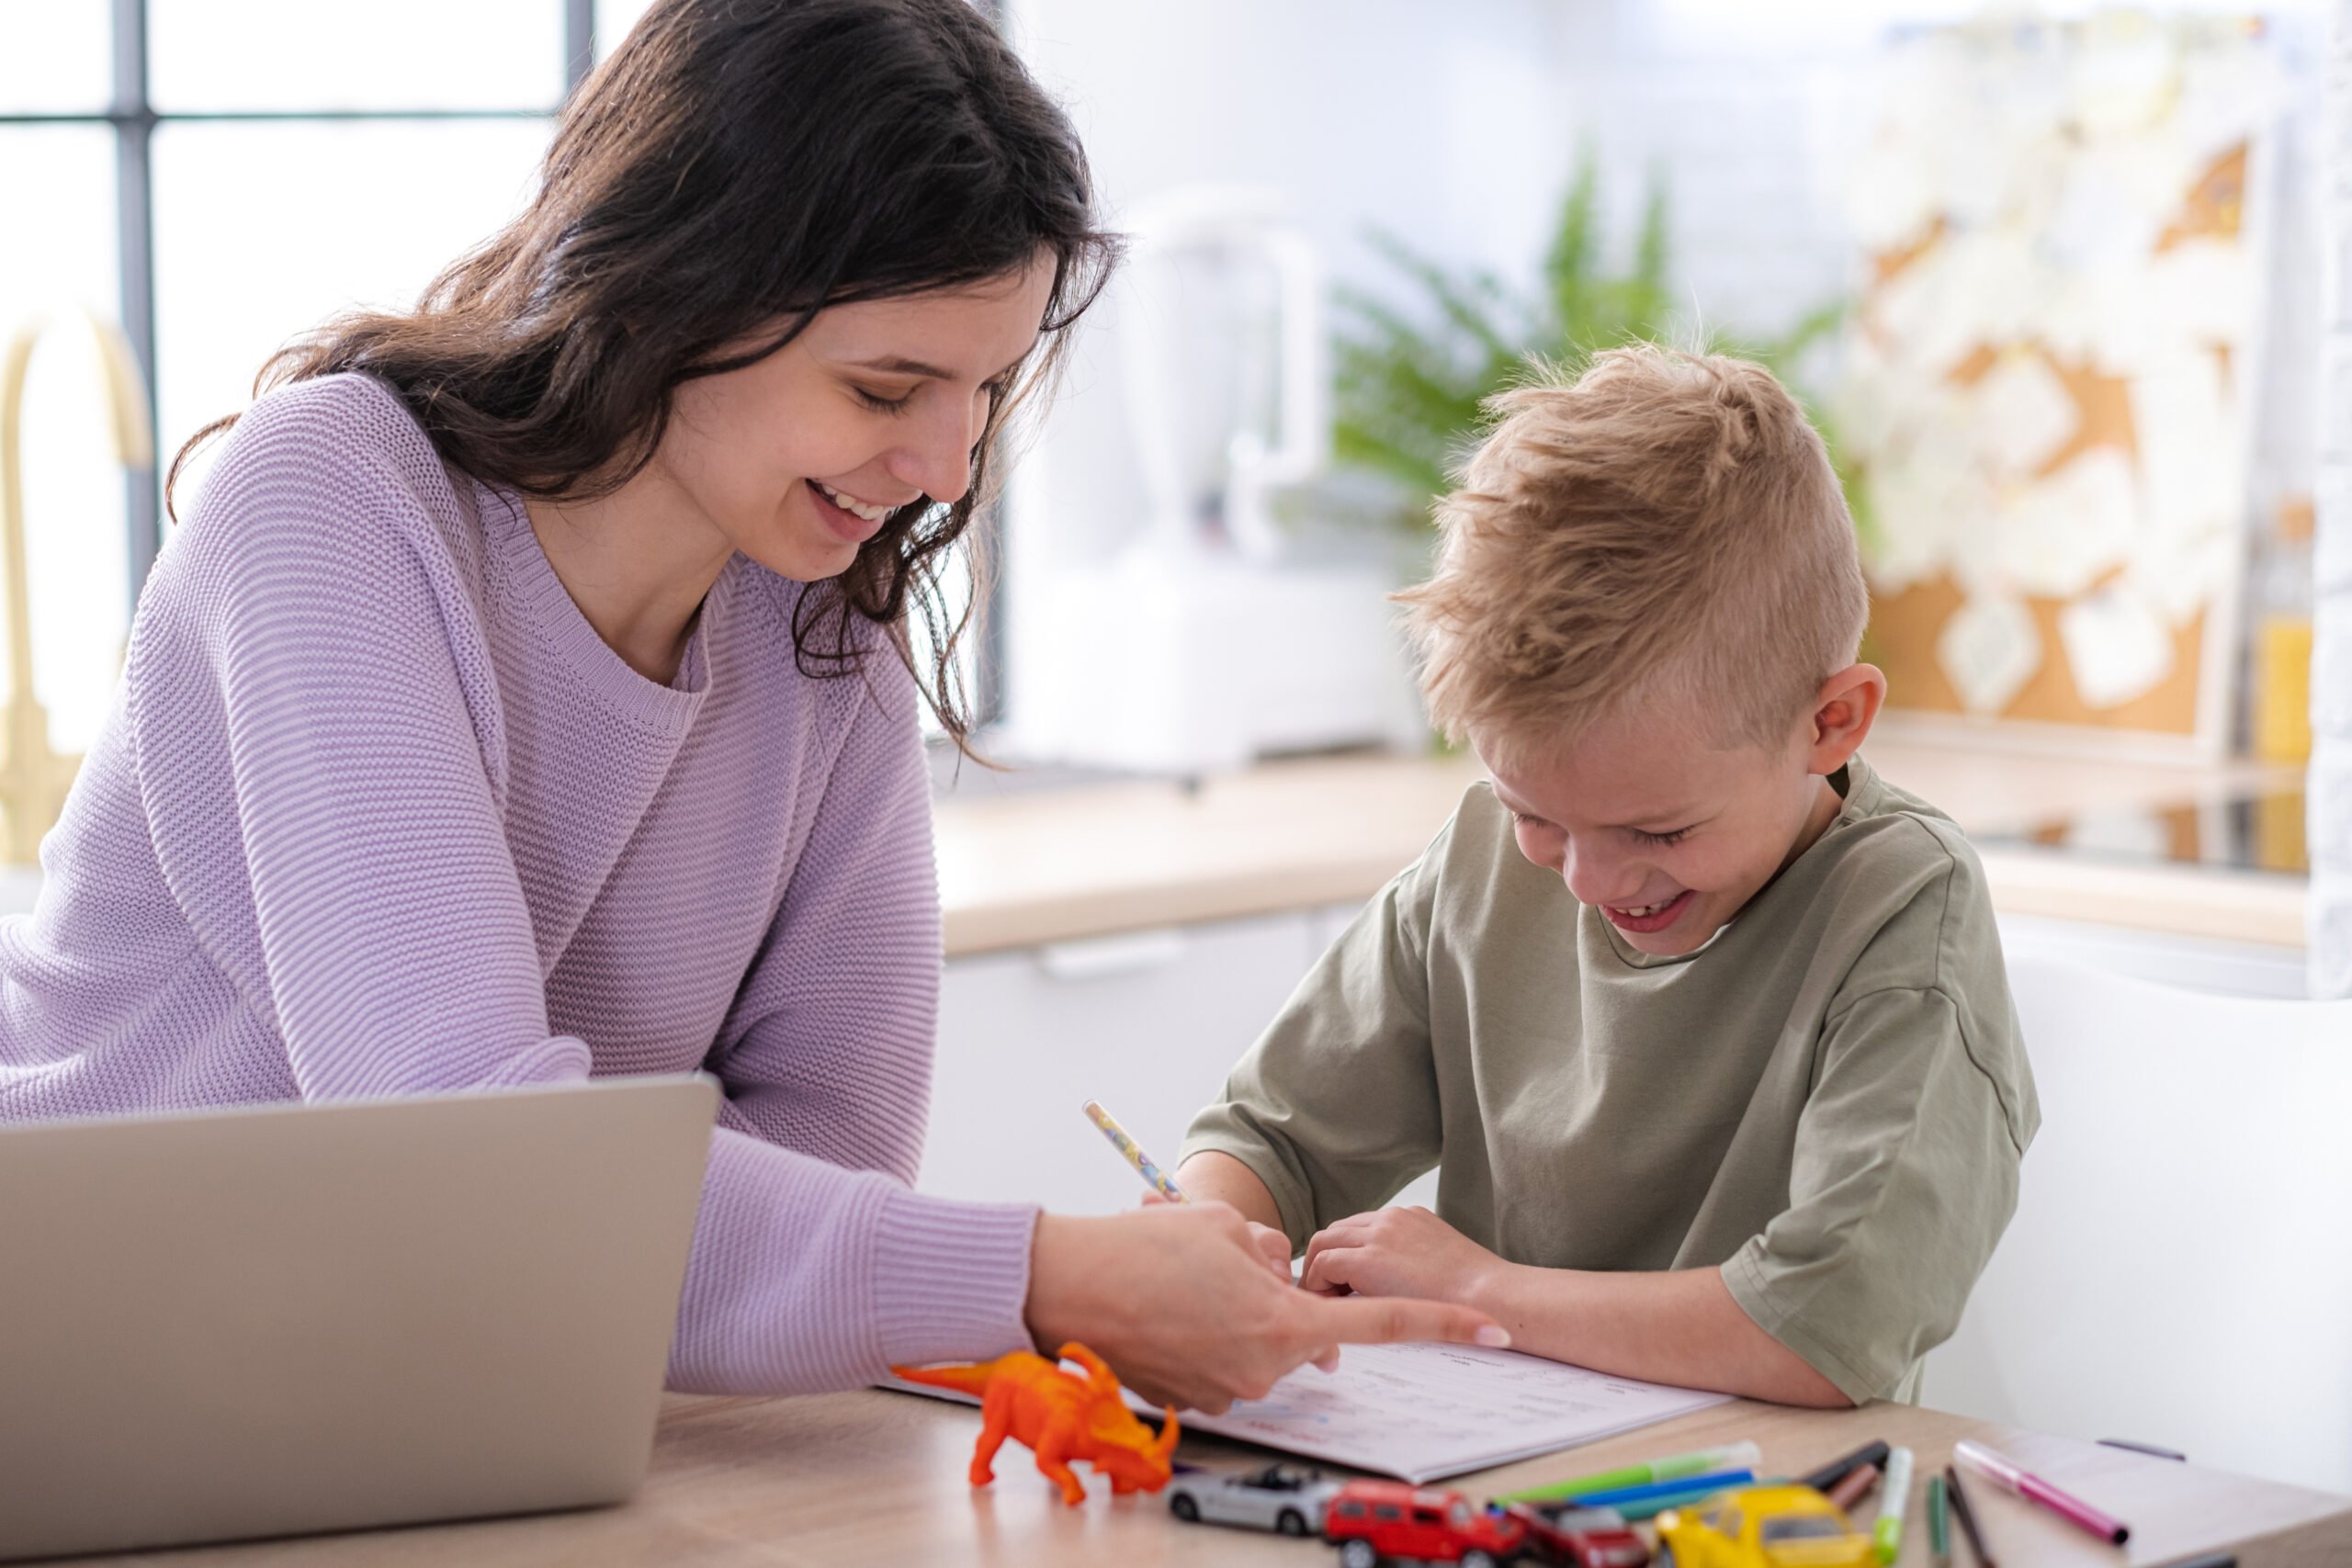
{"x": 1843, "y": 711}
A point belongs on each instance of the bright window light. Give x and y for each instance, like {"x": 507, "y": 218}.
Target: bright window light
{"x": 56, "y": 57}
{"x": 264, "y": 230}
{"x": 235, "y": 55}
{"x": 60, "y": 178}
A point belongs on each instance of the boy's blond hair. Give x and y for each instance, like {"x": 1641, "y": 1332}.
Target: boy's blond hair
{"x": 1666, "y": 530}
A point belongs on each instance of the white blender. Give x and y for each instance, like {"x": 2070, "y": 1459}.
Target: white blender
{"x": 1203, "y": 642}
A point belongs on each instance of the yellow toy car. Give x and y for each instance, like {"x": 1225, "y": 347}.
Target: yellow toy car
{"x": 1762, "y": 1527}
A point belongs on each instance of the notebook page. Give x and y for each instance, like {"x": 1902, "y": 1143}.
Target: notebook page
{"x": 1424, "y": 1411}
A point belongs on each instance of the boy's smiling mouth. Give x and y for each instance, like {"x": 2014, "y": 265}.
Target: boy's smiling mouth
{"x": 1644, "y": 919}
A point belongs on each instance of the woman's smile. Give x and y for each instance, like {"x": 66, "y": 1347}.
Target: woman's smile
{"x": 856, "y": 521}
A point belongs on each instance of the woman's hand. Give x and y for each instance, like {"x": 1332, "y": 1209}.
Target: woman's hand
{"x": 1179, "y": 1298}
{"x": 1398, "y": 1252}
{"x": 1271, "y": 1244}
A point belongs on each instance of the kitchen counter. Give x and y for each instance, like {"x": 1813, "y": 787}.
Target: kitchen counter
{"x": 1020, "y": 869}
{"x": 1024, "y": 866}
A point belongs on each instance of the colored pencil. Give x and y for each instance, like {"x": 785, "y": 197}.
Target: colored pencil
{"x": 1134, "y": 1155}
{"x": 1938, "y": 1522}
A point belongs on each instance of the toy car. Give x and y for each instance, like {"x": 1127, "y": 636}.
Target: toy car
{"x": 1565, "y": 1536}
{"x": 1279, "y": 1499}
{"x": 1373, "y": 1520}
{"x": 1763, "y": 1526}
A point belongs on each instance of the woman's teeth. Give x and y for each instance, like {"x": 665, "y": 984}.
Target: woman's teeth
{"x": 869, "y": 510}
{"x": 1644, "y": 910}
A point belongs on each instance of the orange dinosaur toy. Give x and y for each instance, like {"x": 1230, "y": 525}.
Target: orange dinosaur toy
{"x": 1061, "y": 1416}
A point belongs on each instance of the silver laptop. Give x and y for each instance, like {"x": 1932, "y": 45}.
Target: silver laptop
{"x": 280, "y": 1319}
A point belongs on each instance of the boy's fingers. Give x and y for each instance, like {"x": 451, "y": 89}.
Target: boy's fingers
{"x": 1385, "y": 1320}
{"x": 1339, "y": 1228}
{"x": 1318, "y": 1272}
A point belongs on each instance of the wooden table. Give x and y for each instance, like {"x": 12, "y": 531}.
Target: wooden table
{"x": 875, "y": 1478}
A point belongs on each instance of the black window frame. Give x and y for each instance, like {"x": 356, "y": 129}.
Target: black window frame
{"x": 132, "y": 115}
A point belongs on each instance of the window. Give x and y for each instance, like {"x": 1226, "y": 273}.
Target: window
{"x": 215, "y": 176}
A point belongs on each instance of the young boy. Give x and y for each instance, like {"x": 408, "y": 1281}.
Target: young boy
{"x": 1703, "y": 1024}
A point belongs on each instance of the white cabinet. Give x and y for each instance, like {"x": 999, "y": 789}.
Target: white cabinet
{"x": 1147, "y": 1023}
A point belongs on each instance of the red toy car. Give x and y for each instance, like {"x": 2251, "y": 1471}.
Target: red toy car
{"x": 1370, "y": 1521}
{"x": 1568, "y": 1537}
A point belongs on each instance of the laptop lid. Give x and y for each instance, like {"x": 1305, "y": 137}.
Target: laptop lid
{"x": 277, "y": 1319}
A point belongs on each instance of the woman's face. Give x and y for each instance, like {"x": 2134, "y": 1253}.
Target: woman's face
{"x": 796, "y": 460}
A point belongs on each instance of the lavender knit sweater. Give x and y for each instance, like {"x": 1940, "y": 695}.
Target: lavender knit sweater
{"x": 378, "y": 813}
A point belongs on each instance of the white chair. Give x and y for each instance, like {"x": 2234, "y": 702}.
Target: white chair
{"x": 2179, "y": 1270}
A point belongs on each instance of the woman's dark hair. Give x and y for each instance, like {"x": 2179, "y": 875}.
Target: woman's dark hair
{"x": 734, "y": 167}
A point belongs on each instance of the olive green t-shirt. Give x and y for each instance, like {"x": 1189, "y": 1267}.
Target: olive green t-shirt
{"x": 1829, "y": 1100}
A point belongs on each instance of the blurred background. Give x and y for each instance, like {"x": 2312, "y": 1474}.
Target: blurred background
{"x": 2065, "y": 290}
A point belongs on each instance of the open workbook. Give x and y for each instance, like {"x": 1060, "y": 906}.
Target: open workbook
{"x": 1424, "y": 1411}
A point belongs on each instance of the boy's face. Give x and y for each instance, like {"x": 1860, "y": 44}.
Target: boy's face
{"x": 1668, "y": 836}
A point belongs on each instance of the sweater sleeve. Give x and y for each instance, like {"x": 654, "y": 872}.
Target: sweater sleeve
{"x": 309, "y": 736}
{"x": 826, "y": 1057}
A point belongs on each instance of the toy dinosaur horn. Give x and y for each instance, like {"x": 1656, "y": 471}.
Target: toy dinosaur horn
{"x": 1166, "y": 1445}
{"x": 1099, "y": 1377}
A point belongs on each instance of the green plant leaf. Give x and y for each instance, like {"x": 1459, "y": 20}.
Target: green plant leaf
{"x": 1411, "y": 388}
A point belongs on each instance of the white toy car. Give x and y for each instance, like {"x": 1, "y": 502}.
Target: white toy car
{"x": 1279, "y": 1498}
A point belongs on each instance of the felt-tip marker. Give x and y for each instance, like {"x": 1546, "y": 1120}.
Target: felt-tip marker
{"x": 1967, "y": 1517}
{"x": 1887, "y": 1533}
{"x": 1978, "y": 1459}
{"x": 1702, "y": 1462}
{"x": 1835, "y": 1470}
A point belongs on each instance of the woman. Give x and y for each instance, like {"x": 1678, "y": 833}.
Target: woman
{"x": 529, "y": 697}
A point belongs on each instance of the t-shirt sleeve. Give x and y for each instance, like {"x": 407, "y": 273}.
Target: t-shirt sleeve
{"x": 1335, "y": 1108}
{"x": 1905, "y": 1174}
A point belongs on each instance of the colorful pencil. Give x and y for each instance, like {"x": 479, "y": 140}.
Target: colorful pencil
{"x": 1134, "y": 1154}
{"x": 1978, "y": 1459}
{"x": 1938, "y": 1522}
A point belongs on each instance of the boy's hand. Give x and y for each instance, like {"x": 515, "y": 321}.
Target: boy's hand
{"x": 1176, "y": 1298}
{"x": 1398, "y": 1252}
